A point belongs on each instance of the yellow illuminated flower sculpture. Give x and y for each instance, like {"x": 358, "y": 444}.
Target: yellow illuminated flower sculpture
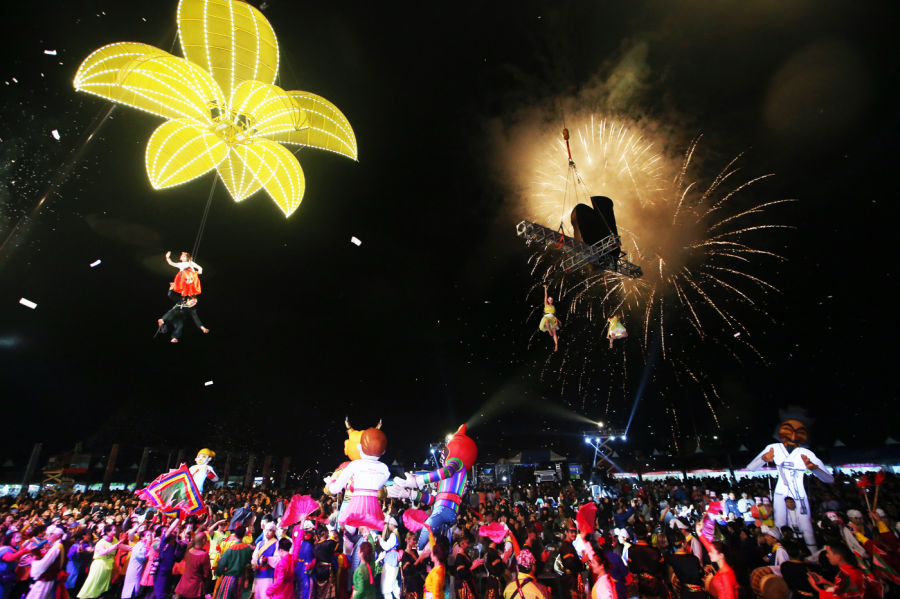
{"x": 224, "y": 111}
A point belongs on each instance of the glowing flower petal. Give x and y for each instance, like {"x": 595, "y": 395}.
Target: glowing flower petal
{"x": 277, "y": 170}
{"x": 148, "y": 78}
{"x": 179, "y": 151}
{"x": 325, "y": 127}
{"x": 224, "y": 111}
{"x": 231, "y": 40}
{"x": 237, "y": 176}
{"x": 267, "y": 108}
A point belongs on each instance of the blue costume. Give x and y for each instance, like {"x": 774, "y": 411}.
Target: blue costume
{"x": 7, "y": 571}
{"x": 303, "y": 572}
{"x": 458, "y": 457}
{"x": 619, "y": 572}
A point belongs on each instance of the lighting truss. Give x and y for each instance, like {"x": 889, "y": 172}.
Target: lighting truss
{"x": 579, "y": 253}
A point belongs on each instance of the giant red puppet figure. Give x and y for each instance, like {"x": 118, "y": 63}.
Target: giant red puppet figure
{"x": 457, "y": 457}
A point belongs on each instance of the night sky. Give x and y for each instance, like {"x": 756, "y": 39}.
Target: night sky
{"x": 426, "y": 323}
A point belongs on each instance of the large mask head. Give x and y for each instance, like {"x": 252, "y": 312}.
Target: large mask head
{"x": 463, "y": 447}
{"x": 373, "y": 442}
{"x": 354, "y": 438}
{"x": 793, "y": 432}
{"x": 204, "y": 457}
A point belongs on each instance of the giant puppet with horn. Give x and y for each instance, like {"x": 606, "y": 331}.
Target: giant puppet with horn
{"x": 351, "y": 451}
{"x": 367, "y": 476}
{"x": 458, "y": 457}
{"x": 793, "y": 459}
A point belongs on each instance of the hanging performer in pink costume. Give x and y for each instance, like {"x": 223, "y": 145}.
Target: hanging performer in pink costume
{"x": 368, "y": 475}
{"x": 457, "y": 457}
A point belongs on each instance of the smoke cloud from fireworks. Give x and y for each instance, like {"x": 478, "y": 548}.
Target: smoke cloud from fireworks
{"x": 694, "y": 230}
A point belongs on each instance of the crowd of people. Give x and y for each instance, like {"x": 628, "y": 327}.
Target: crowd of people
{"x": 643, "y": 539}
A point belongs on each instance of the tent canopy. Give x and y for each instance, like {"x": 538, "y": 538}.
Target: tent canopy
{"x": 537, "y": 457}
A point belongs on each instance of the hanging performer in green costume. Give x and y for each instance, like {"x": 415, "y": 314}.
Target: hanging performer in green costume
{"x": 616, "y": 330}
{"x": 550, "y": 322}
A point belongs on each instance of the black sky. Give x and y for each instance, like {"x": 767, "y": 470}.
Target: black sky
{"x": 425, "y": 322}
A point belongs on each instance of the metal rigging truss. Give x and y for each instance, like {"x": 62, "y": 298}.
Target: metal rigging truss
{"x": 602, "y": 254}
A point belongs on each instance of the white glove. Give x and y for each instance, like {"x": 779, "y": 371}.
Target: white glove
{"x": 398, "y": 492}
{"x": 412, "y": 481}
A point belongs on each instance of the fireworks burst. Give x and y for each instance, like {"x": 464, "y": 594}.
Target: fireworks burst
{"x": 694, "y": 241}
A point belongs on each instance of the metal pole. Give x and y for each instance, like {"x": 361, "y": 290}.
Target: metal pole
{"x": 142, "y": 469}
{"x": 180, "y": 459}
{"x": 285, "y": 467}
{"x": 32, "y": 466}
{"x": 248, "y": 477}
{"x": 110, "y": 468}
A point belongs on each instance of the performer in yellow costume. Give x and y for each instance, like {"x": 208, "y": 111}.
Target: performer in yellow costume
{"x": 550, "y": 322}
{"x": 616, "y": 330}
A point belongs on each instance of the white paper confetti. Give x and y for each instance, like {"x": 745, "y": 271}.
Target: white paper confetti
{"x": 28, "y": 303}
{"x": 93, "y": 264}
{"x": 208, "y": 383}
{"x": 355, "y": 241}
{"x": 738, "y": 334}
{"x": 50, "y": 52}
{"x": 55, "y": 134}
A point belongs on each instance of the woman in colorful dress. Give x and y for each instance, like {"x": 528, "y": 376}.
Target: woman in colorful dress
{"x": 550, "y": 322}
{"x": 148, "y": 576}
{"x": 364, "y": 577}
{"x": 99, "y": 577}
{"x": 413, "y": 583}
{"x": 187, "y": 281}
{"x": 616, "y": 329}
{"x": 436, "y": 579}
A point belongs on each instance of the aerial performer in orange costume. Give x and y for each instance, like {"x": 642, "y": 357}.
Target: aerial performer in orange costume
{"x": 458, "y": 456}
{"x": 368, "y": 476}
{"x": 187, "y": 281}
{"x": 793, "y": 459}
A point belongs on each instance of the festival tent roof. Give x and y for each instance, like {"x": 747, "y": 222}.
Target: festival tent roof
{"x": 537, "y": 457}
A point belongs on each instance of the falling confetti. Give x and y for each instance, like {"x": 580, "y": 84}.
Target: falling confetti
{"x": 55, "y": 134}
{"x": 208, "y": 383}
{"x": 50, "y": 52}
{"x": 28, "y": 303}
{"x": 355, "y": 241}
{"x": 93, "y": 264}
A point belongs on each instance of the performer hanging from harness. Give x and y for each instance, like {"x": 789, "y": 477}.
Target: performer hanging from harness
{"x": 550, "y": 322}
{"x": 184, "y": 307}
{"x": 616, "y": 329}
{"x": 187, "y": 281}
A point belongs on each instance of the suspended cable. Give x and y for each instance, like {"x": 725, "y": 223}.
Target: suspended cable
{"x": 203, "y": 221}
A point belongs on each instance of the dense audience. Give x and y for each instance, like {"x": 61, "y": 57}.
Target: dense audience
{"x": 665, "y": 538}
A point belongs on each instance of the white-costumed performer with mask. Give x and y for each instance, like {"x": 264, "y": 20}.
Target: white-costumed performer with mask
{"x": 46, "y": 570}
{"x": 793, "y": 460}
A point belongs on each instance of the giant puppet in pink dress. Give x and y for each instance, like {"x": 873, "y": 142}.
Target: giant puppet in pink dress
{"x": 368, "y": 476}
{"x": 458, "y": 457}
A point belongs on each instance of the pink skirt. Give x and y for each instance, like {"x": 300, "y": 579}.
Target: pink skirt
{"x": 364, "y": 510}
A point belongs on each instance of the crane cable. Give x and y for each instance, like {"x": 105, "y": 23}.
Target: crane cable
{"x": 203, "y": 220}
